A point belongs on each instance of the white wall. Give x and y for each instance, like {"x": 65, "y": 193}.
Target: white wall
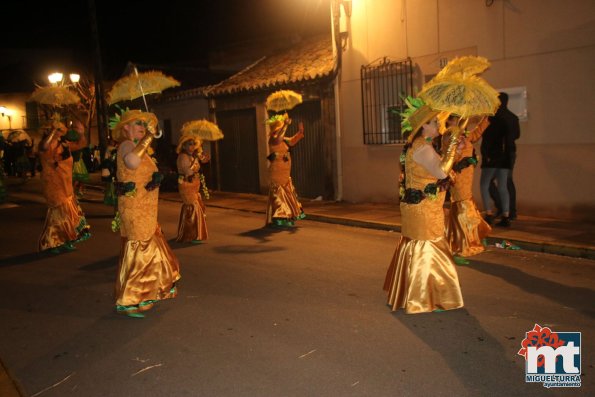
{"x": 547, "y": 46}
{"x": 15, "y": 103}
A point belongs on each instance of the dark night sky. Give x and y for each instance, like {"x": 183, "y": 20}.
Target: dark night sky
{"x": 38, "y": 37}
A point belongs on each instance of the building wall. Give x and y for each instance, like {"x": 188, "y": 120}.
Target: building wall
{"x": 15, "y": 104}
{"x": 180, "y": 112}
{"x": 546, "y": 46}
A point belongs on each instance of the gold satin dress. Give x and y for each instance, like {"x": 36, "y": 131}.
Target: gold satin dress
{"x": 148, "y": 268}
{"x": 422, "y": 276}
{"x": 465, "y": 228}
{"x": 65, "y": 221}
{"x": 193, "y": 218}
{"x": 283, "y": 203}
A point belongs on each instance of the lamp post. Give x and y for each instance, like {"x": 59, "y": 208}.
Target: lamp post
{"x": 85, "y": 89}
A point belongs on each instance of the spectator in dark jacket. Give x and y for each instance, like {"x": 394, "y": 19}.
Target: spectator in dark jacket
{"x": 512, "y": 124}
{"x": 497, "y": 156}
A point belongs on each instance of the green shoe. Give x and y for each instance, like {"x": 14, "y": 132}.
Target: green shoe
{"x": 146, "y": 303}
{"x": 130, "y": 311}
{"x": 55, "y": 250}
{"x": 196, "y": 242}
{"x": 459, "y": 260}
{"x": 69, "y": 246}
{"x": 301, "y": 216}
{"x": 135, "y": 315}
{"x": 279, "y": 222}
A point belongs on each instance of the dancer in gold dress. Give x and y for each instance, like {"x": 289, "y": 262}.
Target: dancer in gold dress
{"x": 192, "y": 226}
{"x": 283, "y": 207}
{"x": 148, "y": 269}
{"x": 422, "y": 276}
{"x": 65, "y": 223}
{"x": 465, "y": 228}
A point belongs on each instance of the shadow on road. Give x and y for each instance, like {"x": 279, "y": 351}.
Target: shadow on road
{"x": 101, "y": 265}
{"x": 262, "y": 234}
{"x": 20, "y": 259}
{"x": 578, "y": 298}
{"x": 465, "y": 347}
{"x": 247, "y": 249}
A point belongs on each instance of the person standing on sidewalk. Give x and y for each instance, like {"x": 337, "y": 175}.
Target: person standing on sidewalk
{"x": 192, "y": 226}
{"x": 497, "y": 154}
{"x": 465, "y": 228}
{"x": 422, "y": 275}
{"x": 148, "y": 269}
{"x": 65, "y": 222}
{"x": 283, "y": 207}
{"x": 512, "y": 124}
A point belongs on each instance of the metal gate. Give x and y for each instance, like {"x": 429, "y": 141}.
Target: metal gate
{"x": 309, "y": 163}
{"x": 238, "y": 151}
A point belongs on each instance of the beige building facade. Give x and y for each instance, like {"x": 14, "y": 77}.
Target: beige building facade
{"x": 544, "y": 50}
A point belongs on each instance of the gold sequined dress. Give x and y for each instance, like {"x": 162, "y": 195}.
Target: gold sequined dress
{"x": 465, "y": 228}
{"x": 65, "y": 221}
{"x": 193, "y": 223}
{"x": 422, "y": 276}
{"x": 148, "y": 269}
{"x": 283, "y": 204}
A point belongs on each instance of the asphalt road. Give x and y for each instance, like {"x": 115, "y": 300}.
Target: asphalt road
{"x": 263, "y": 312}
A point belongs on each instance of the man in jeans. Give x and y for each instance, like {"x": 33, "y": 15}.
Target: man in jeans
{"x": 512, "y": 122}
{"x": 498, "y": 152}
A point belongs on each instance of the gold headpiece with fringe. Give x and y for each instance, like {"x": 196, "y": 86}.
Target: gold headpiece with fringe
{"x": 278, "y": 124}
{"x": 415, "y": 116}
{"x": 118, "y": 122}
{"x": 186, "y": 138}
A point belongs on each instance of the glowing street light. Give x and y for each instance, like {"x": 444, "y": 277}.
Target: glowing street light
{"x": 55, "y": 78}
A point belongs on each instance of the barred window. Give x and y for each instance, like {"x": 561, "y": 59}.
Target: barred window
{"x": 385, "y": 84}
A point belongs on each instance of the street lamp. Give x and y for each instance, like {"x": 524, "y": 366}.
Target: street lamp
{"x": 55, "y": 78}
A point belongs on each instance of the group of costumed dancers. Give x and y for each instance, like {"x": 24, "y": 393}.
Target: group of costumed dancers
{"x": 148, "y": 270}
{"x": 422, "y": 275}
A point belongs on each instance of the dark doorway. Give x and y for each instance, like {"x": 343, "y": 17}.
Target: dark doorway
{"x": 238, "y": 151}
{"x": 309, "y": 163}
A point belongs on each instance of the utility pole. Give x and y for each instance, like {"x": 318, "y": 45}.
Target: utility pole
{"x": 102, "y": 116}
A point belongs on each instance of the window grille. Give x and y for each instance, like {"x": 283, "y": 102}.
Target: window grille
{"x": 385, "y": 84}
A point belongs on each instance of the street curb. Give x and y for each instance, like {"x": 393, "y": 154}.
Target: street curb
{"x": 544, "y": 247}
{"x": 548, "y": 248}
